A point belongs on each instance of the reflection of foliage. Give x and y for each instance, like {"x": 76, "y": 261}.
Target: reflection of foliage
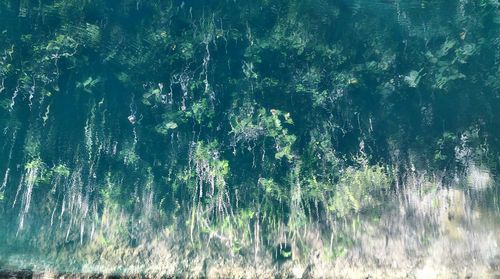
{"x": 445, "y": 148}
{"x": 61, "y": 170}
{"x": 110, "y": 193}
{"x": 129, "y": 156}
{"x": 268, "y": 125}
{"x": 356, "y": 188}
{"x": 241, "y": 113}
{"x": 34, "y": 164}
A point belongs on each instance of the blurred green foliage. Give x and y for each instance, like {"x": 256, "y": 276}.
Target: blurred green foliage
{"x": 232, "y": 114}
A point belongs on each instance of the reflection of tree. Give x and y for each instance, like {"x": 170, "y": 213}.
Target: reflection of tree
{"x": 258, "y": 109}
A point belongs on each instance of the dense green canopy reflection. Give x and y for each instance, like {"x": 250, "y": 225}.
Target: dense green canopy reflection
{"x": 285, "y": 137}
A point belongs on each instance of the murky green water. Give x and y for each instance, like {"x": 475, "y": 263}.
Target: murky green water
{"x": 250, "y": 138}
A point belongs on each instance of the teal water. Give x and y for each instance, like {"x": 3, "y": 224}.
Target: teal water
{"x": 320, "y": 138}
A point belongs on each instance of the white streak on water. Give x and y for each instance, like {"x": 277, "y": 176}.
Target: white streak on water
{"x": 5, "y": 179}
{"x": 31, "y": 177}
{"x": 18, "y": 191}
{"x": 7, "y": 172}
{"x": 63, "y": 208}
{"x": 13, "y": 99}
{"x": 478, "y": 178}
{"x": 82, "y": 229}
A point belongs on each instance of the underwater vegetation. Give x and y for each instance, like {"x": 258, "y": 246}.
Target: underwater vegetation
{"x": 268, "y": 138}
